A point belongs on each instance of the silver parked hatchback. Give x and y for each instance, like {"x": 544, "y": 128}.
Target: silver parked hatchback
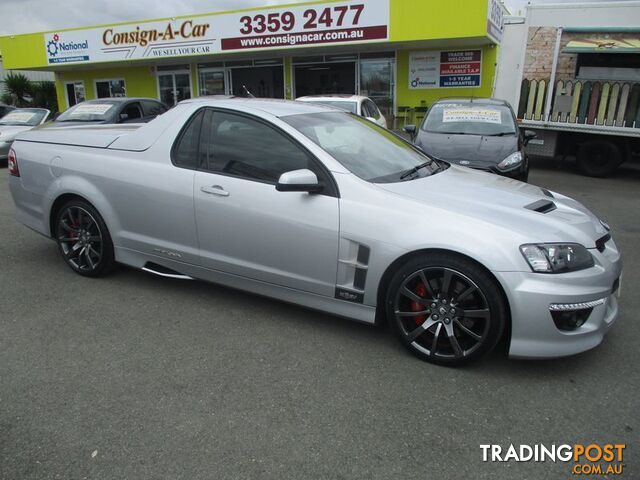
{"x": 328, "y": 210}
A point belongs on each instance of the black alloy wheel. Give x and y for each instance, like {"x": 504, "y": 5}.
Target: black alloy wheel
{"x": 446, "y": 310}
{"x": 83, "y": 239}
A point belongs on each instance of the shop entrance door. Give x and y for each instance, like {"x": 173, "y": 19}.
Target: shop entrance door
{"x": 324, "y": 78}
{"x": 213, "y": 82}
{"x": 261, "y": 82}
{"x": 377, "y": 83}
{"x": 174, "y": 87}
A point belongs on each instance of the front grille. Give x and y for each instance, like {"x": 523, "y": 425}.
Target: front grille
{"x": 601, "y": 243}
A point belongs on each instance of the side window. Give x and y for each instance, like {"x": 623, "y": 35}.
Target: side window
{"x": 372, "y": 109}
{"x": 185, "y": 150}
{"x": 132, "y": 111}
{"x": 247, "y": 148}
{"x": 152, "y": 109}
{"x": 365, "y": 109}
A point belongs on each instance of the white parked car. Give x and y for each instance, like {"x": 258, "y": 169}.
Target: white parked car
{"x": 363, "y": 106}
{"x": 16, "y": 121}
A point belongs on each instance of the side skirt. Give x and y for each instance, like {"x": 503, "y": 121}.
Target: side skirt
{"x": 341, "y": 308}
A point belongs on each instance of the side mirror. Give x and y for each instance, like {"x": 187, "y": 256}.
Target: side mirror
{"x": 411, "y": 129}
{"x": 529, "y": 135}
{"x": 303, "y": 180}
{"x": 123, "y": 116}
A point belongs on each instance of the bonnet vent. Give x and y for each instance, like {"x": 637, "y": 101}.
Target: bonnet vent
{"x": 542, "y": 206}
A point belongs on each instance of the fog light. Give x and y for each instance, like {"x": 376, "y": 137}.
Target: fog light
{"x": 570, "y": 316}
{"x": 567, "y": 321}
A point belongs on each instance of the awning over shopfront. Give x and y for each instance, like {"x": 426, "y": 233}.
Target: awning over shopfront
{"x": 628, "y": 45}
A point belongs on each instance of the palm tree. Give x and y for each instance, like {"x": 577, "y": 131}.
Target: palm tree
{"x": 19, "y": 87}
{"x": 44, "y": 95}
{"x": 6, "y": 99}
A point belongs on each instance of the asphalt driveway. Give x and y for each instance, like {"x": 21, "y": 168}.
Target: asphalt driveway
{"x": 139, "y": 377}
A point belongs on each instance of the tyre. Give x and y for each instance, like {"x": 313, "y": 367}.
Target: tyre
{"x": 598, "y": 158}
{"x": 445, "y": 308}
{"x": 525, "y": 175}
{"x": 83, "y": 239}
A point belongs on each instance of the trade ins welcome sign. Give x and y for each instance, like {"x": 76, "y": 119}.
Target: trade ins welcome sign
{"x": 445, "y": 69}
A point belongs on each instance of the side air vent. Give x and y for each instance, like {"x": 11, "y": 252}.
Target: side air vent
{"x": 542, "y": 206}
{"x": 353, "y": 266}
{"x": 601, "y": 243}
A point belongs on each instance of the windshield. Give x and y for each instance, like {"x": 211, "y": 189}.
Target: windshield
{"x": 369, "y": 151}
{"x": 88, "y": 112}
{"x": 28, "y": 117}
{"x": 470, "y": 119}
{"x": 351, "y": 107}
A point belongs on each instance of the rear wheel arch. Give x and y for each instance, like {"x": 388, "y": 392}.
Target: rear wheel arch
{"x": 393, "y": 267}
{"x": 60, "y": 202}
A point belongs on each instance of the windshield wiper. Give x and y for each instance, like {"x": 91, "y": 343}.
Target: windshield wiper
{"x": 501, "y": 134}
{"x": 77, "y": 120}
{"x": 415, "y": 169}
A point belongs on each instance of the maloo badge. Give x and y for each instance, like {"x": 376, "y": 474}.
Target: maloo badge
{"x": 168, "y": 253}
{"x": 464, "y": 162}
{"x": 343, "y": 294}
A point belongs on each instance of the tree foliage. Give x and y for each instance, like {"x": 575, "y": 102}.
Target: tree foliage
{"x": 19, "y": 87}
{"x": 19, "y": 91}
{"x": 44, "y": 95}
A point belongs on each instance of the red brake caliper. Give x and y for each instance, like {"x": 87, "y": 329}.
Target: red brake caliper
{"x": 75, "y": 228}
{"x": 421, "y": 291}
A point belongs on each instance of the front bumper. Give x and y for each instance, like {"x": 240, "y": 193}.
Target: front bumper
{"x": 533, "y": 331}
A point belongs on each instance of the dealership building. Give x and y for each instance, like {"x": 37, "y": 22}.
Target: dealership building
{"x": 404, "y": 54}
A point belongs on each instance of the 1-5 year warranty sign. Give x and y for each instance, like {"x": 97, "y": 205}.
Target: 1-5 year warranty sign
{"x": 351, "y": 21}
{"x": 445, "y": 69}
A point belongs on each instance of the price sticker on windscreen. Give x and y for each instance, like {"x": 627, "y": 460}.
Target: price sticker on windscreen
{"x": 18, "y": 117}
{"x": 92, "y": 109}
{"x": 484, "y": 115}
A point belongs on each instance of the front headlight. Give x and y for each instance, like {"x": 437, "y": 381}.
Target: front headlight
{"x": 511, "y": 161}
{"x": 557, "y": 257}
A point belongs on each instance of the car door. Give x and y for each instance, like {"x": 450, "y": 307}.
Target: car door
{"x": 248, "y": 228}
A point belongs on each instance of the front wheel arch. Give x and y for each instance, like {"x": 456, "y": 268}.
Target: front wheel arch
{"x": 391, "y": 269}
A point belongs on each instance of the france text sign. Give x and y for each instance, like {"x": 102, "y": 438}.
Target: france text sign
{"x": 445, "y": 69}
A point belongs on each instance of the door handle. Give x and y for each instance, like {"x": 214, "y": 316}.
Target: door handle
{"x": 215, "y": 190}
